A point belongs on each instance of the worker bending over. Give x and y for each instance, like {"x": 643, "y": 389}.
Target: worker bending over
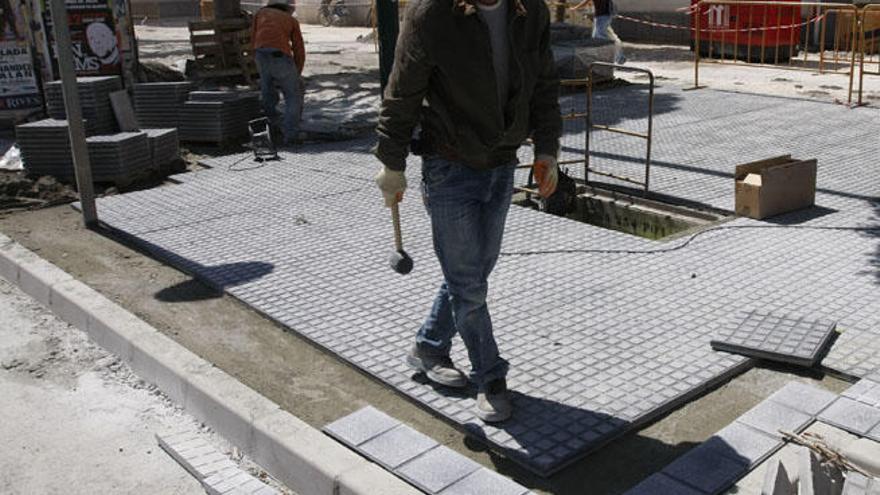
{"x": 280, "y": 54}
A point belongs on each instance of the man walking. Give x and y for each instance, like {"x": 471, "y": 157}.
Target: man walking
{"x": 604, "y": 13}
{"x": 478, "y": 77}
{"x": 280, "y": 54}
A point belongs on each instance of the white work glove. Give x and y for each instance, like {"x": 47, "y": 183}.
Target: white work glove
{"x": 392, "y": 183}
{"x": 546, "y": 174}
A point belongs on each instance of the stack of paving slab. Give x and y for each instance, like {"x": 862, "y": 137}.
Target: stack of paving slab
{"x": 45, "y": 148}
{"x": 94, "y": 97}
{"x": 217, "y": 116}
{"x": 158, "y": 105}
{"x": 164, "y": 146}
{"x": 119, "y": 157}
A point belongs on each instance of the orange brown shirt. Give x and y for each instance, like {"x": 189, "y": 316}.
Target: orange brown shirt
{"x": 275, "y": 28}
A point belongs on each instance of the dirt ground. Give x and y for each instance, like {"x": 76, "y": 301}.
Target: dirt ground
{"x": 319, "y": 388}
{"x": 81, "y": 414}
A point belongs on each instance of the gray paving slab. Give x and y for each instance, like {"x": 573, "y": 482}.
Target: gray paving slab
{"x": 777, "y": 481}
{"x": 661, "y": 484}
{"x": 707, "y": 468}
{"x": 437, "y": 469}
{"x": 771, "y": 418}
{"x": 773, "y": 336}
{"x": 804, "y": 398}
{"x": 304, "y": 240}
{"x": 485, "y": 481}
{"x": 742, "y": 442}
{"x": 396, "y": 446}
{"x": 866, "y": 391}
{"x": 361, "y": 426}
{"x": 852, "y": 416}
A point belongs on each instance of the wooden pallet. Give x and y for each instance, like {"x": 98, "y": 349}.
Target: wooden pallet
{"x": 222, "y": 48}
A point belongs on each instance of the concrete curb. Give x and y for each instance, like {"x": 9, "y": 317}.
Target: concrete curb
{"x": 301, "y": 457}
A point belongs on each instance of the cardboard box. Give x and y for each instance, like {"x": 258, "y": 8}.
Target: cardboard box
{"x": 775, "y": 186}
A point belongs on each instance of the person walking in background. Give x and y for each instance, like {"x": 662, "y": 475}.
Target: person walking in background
{"x": 605, "y": 11}
{"x": 280, "y": 55}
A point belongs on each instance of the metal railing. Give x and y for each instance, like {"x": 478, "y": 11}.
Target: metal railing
{"x": 590, "y": 126}
{"x": 869, "y": 39}
{"x": 770, "y": 33}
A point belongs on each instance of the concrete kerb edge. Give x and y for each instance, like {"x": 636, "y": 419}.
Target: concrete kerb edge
{"x": 298, "y": 455}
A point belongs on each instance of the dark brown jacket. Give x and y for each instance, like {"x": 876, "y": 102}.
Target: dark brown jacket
{"x": 444, "y": 59}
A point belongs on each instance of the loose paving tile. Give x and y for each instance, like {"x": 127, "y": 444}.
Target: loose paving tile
{"x": 771, "y": 418}
{"x": 437, "y": 469}
{"x": 304, "y": 240}
{"x": 396, "y": 446}
{"x": 484, "y": 481}
{"x": 410, "y": 455}
{"x": 776, "y": 337}
{"x": 804, "y": 398}
{"x": 361, "y": 426}
{"x": 661, "y": 484}
{"x": 852, "y": 416}
{"x": 740, "y": 441}
{"x": 707, "y": 468}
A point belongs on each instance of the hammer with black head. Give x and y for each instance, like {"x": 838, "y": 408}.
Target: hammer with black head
{"x": 399, "y": 260}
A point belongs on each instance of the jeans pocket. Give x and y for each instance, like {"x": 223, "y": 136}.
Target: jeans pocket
{"x": 435, "y": 171}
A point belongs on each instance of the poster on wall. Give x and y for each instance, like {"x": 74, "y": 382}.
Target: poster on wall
{"x": 93, "y": 36}
{"x": 18, "y": 83}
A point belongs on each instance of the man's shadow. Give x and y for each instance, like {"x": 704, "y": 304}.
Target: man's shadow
{"x": 563, "y": 449}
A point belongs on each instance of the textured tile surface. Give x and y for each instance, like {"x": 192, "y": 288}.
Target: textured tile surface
{"x": 484, "y": 481}
{"x": 416, "y": 457}
{"x": 661, "y": 484}
{"x": 600, "y": 341}
{"x": 804, "y": 398}
{"x": 852, "y": 416}
{"x": 776, "y": 336}
{"x": 397, "y": 446}
{"x": 437, "y": 469}
{"x": 707, "y": 468}
{"x": 361, "y": 426}
{"x": 771, "y": 418}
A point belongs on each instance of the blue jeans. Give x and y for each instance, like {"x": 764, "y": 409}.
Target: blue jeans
{"x": 468, "y": 209}
{"x": 280, "y": 72}
{"x": 602, "y": 30}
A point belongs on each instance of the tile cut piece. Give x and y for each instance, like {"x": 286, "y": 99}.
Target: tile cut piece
{"x": 776, "y": 337}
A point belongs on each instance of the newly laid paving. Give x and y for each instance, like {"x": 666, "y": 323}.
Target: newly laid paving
{"x": 417, "y": 458}
{"x": 716, "y": 464}
{"x": 604, "y": 331}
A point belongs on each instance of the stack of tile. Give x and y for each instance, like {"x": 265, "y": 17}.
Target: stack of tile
{"x": 164, "y": 146}
{"x": 218, "y": 116}
{"x": 159, "y": 104}
{"x": 94, "y": 97}
{"x": 119, "y": 157}
{"x": 45, "y": 148}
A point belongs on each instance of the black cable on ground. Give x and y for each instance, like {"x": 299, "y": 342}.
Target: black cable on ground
{"x": 689, "y": 240}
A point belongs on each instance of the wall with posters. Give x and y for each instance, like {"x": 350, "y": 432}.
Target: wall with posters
{"x": 19, "y": 88}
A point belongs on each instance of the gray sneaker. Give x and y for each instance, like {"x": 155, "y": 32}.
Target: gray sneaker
{"x": 493, "y": 403}
{"x": 439, "y": 369}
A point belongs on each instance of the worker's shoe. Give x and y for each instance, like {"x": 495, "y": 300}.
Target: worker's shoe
{"x": 493, "y": 403}
{"x": 439, "y": 369}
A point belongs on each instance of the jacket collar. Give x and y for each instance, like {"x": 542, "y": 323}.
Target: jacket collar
{"x": 467, "y": 7}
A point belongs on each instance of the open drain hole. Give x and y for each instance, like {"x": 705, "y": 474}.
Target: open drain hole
{"x": 647, "y": 218}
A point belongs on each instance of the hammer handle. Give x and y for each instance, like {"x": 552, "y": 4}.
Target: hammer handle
{"x": 395, "y": 219}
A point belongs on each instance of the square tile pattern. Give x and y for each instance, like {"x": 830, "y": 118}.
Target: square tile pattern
{"x": 776, "y": 337}
{"x": 415, "y": 457}
{"x": 606, "y": 331}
